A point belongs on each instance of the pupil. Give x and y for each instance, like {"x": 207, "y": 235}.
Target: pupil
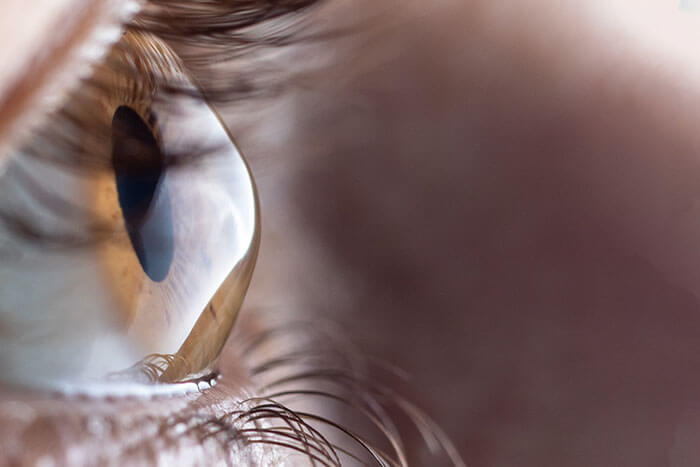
{"x": 143, "y": 197}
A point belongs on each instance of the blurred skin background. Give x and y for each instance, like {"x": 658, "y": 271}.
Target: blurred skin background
{"x": 500, "y": 198}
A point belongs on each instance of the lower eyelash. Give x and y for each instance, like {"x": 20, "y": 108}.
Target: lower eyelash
{"x": 299, "y": 363}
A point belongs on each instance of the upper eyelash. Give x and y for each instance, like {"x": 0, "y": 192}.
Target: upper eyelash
{"x": 224, "y": 26}
{"x": 209, "y": 36}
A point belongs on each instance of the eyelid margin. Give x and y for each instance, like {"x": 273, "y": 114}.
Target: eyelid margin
{"x": 39, "y": 81}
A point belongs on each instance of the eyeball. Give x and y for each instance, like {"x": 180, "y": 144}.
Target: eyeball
{"x": 154, "y": 299}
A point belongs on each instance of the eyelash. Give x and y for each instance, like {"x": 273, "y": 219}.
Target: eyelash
{"x": 319, "y": 364}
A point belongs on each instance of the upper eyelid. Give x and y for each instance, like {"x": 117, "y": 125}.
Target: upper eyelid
{"x": 39, "y": 78}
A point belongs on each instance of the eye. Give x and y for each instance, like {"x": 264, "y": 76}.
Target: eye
{"x": 152, "y": 293}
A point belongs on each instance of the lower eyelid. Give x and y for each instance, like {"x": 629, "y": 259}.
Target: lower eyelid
{"x": 76, "y": 432}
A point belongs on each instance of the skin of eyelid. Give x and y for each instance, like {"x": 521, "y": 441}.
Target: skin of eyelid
{"x": 44, "y": 54}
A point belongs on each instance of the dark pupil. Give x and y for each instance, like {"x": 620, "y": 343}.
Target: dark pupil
{"x": 138, "y": 167}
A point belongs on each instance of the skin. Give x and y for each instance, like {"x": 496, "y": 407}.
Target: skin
{"x": 504, "y": 202}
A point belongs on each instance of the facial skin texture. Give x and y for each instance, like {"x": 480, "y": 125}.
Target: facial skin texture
{"x": 499, "y": 197}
